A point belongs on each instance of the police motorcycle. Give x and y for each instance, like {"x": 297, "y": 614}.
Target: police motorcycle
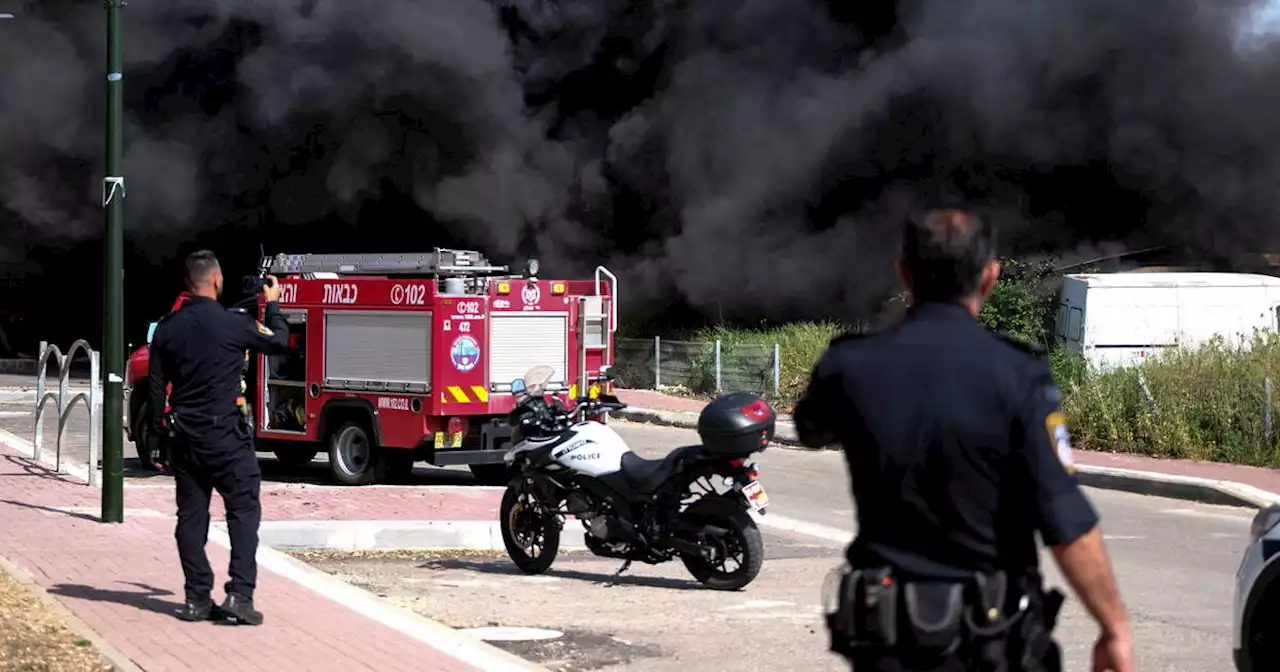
{"x": 692, "y": 504}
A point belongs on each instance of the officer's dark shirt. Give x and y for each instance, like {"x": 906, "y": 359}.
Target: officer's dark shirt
{"x": 200, "y": 349}
{"x": 953, "y": 437}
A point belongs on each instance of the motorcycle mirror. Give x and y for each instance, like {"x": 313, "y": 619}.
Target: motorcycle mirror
{"x": 151, "y": 331}
{"x": 606, "y": 372}
{"x": 517, "y": 386}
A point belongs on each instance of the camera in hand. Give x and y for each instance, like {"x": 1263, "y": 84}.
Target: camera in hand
{"x": 253, "y": 284}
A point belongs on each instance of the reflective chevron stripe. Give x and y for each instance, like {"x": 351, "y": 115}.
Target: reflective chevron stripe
{"x": 482, "y": 395}
{"x": 458, "y": 395}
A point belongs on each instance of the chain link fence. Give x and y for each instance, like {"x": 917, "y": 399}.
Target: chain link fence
{"x": 702, "y": 368}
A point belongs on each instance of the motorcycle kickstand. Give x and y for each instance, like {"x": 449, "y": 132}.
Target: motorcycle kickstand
{"x": 613, "y": 580}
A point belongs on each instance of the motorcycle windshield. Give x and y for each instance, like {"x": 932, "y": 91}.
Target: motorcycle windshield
{"x": 536, "y": 379}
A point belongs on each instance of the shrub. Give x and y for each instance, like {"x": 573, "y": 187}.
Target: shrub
{"x": 1205, "y": 403}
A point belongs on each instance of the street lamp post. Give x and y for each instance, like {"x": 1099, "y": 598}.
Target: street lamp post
{"x": 113, "y": 194}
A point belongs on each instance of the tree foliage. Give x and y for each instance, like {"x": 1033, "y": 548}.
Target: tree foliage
{"x": 1024, "y": 302}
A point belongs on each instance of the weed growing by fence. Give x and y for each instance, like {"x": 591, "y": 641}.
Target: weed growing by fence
{"x": 1205, "y": 403}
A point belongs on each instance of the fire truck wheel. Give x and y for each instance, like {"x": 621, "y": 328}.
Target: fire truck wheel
{"x": 353, "y": 459}
{"x": 144, "y": 438}
{"x": 492, "y": 474}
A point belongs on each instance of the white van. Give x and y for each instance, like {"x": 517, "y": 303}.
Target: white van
{"x": 1117, "y": 319}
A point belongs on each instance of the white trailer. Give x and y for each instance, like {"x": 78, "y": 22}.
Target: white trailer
{"x": 1118, "y": 319}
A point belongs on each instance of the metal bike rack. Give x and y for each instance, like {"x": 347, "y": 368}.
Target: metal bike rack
{"x": 64, "y": 405}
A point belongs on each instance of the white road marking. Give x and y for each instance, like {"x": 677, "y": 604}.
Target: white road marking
{"x": 1243, "y": 518}
{"x": 825, "y": 532}
{"x": 1121, "y": 537}
{"x": 758, "y": 604}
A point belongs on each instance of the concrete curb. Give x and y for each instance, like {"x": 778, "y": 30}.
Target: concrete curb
{"x": 18, "y": 367}
{"x": 119, "y": 662}
{"x": 340, "y": 535}
{"x": 393, "y": 535}
{"x": 439, "y": 636}
{"x": 1208, "y": 491}
{"x": 785, "y": 432}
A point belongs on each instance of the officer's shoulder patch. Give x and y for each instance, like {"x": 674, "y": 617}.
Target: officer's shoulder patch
{"x": 1033, "y": 349}
{"x": 262, "y": 329}
{"x": 1056, "y": 425}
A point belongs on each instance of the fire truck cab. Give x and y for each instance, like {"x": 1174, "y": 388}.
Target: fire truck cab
{"x": 399, "y": 358}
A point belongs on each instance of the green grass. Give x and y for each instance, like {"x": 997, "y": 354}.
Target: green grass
{"x": 1207, "y": 403}
{"x": 800, "y": 345}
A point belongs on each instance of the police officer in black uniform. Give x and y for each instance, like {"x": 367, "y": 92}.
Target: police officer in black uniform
{"x": 958, "y": 455}
{"x": 200, "y": 349}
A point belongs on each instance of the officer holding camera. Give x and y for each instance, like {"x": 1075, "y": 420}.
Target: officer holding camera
{"x": 200, "y": 349}
{"x": 958, "y": 455}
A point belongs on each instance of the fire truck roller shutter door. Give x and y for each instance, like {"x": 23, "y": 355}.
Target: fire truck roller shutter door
{"x": 369, "y": 349}
{"x": 521, "y": 341}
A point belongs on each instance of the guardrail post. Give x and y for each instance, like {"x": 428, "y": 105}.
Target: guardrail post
{"x": 717, "y": 366}
{"x": 777, "y": 368}
{"x": 95, "y": 416}
{"x": 657, "y": 362}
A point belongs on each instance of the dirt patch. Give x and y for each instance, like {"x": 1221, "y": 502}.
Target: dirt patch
{"x": 34, "y": 638}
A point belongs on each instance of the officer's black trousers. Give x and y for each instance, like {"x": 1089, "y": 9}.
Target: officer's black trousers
{"x": 880, "y": 662}
{"x": 886, "y": 663}
{"x": 229, "y": 466}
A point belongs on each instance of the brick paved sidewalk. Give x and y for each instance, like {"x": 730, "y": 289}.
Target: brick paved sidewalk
{"x": 1264, "y": 479}
{"x": 124, "y": 582}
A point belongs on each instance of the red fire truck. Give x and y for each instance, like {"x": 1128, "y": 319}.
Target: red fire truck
{"x": 398, "y": 358}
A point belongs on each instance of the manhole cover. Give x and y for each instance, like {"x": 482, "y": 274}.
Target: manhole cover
{"x": 512, "y": 634}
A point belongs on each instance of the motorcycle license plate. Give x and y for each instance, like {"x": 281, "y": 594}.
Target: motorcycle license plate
{"x": 754, "y": 492}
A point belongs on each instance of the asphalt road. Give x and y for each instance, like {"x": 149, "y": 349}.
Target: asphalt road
{"x": 1175, "y": 561}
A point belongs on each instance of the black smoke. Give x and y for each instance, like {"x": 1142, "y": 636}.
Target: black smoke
{"x": 732, "y": 159}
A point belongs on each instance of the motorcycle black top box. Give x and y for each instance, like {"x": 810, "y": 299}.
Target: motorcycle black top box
{"x": 737, "y": 425}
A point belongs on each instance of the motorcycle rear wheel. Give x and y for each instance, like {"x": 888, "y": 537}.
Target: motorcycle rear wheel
{"x": 743, "y": 544}
{"x": 527, "y": 526}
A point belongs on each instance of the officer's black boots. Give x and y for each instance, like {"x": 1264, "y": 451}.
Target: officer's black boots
{"x": 198, "y": 610}
{"x": 240, "y": 611}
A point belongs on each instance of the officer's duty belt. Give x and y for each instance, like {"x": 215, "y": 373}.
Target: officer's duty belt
{"x": 871, "y": 612}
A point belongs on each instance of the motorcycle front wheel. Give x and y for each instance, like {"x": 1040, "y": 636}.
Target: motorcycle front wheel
{"x": 530, "y": 533}
{"x": 736, "y": 558}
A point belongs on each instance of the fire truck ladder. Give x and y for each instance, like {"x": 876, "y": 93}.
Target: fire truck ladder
{"x": 441, "y": 262}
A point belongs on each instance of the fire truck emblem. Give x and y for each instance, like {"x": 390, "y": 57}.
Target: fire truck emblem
{"x": 531, "y": 294}
{"x": 465, "y": 353}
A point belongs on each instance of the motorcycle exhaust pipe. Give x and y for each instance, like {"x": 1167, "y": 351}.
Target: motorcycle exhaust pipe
{"x": 700, "y": 530}
{"x": 689, "y": 548}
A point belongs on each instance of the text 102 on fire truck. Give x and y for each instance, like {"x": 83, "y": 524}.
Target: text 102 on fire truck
{"x": 398, "y": 358}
